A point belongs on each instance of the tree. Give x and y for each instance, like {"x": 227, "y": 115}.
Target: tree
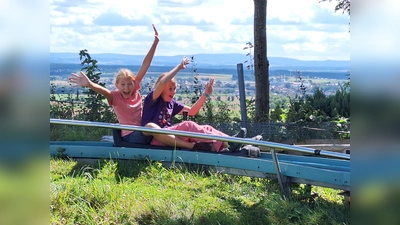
{"x": 261, "y": 63}
{"x": 250, "y": 65}
{"x": 95, "y": 108}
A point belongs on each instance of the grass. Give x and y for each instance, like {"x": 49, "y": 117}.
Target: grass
{"x": 146, "y": 192}
{"x": 318, "y": 80}
{"x": 73, "y": 133}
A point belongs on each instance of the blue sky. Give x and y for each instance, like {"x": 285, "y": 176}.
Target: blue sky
{"x": 305, "y": 29}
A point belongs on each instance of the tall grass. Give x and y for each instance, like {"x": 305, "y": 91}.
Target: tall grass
{"x": 145, "y": 192}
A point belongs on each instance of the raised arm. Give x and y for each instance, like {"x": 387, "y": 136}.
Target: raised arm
{"x": 148, "y": 58}
{"x": 159, "y": 86}
{"x": 199, "y": 103}
{"x": 82, "y": 80}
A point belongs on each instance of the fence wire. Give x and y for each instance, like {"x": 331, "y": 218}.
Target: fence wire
{"x": 280, "y": 132}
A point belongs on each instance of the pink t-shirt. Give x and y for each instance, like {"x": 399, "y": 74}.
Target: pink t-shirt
{"x": 128, "y": 111}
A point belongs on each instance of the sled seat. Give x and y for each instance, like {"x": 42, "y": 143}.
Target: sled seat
{"x": 119, "y": 142}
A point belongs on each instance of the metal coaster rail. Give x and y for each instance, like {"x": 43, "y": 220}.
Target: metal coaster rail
{"x": 248, "y": 141}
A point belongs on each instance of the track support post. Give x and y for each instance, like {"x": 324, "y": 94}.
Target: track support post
{"x": 282, "y": 183}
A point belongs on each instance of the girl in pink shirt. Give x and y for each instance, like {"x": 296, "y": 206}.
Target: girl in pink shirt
{"x": 127, "y": 102}
{"x": 126, "y": 99}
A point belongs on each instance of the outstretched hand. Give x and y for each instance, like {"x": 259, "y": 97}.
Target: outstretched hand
{"x": 184, "y": 62}
{"x": 156, "y": 38}
{"x": 79, "y": 79}
{"x": 209, "y": 86}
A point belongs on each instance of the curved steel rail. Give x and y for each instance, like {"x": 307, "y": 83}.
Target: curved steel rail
{"x": 272, "y": 145}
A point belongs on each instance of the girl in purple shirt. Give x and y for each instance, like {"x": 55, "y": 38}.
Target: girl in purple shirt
{"x": 160, "y": 107}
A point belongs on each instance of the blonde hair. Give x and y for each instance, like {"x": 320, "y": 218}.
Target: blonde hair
{"x": 124, "y": 73}
{"x": 161, "y": 76}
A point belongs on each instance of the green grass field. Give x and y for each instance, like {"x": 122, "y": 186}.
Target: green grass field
{"x": 319, "y": 80}
{"x": 144, "y": 192}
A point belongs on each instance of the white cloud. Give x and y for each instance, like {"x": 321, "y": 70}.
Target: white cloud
{"x": 197, "y": 26}
{"x": 291, "y": 10}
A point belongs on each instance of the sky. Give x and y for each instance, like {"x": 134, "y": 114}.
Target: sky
{"x": 305, "y": 30}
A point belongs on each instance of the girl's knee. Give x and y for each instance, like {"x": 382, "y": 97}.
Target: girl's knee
{"x": 152, "y": 125}
{"x": 188, "y": 124}
{"x": 208, "y": 127}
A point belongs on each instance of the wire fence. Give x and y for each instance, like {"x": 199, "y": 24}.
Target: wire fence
{"x": 281, "y": 132}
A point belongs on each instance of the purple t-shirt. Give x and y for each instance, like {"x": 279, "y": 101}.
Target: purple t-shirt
{"x": 159, "y": 111}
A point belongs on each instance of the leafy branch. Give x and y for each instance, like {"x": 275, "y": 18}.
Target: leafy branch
{"x": 250, "y": 65}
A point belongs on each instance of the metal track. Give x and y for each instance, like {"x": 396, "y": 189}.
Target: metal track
{"x": 332, "y": 170}
{"x": 273, "y": 145}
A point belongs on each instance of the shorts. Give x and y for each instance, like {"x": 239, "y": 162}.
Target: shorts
{"x": 137, "y": 137}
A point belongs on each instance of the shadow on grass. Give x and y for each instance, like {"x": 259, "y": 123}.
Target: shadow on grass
{"x": 161, "y": 217}
{"x": 124, "y": 168}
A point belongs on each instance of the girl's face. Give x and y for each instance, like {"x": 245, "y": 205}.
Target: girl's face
{"x": 126, "y": 86}
{"x": 169, "y": 91}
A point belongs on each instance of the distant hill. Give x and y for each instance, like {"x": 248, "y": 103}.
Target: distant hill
{"x": 217, "y": 61}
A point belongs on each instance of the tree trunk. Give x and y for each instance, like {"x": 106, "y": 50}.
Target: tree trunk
{"x": 261, "y": 63}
